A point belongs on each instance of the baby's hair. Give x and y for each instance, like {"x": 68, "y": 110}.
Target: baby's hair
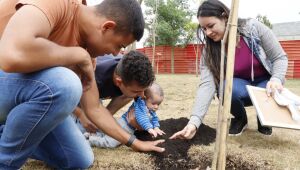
{"x": 155, "y": 88}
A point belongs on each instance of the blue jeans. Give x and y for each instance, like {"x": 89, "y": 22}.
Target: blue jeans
{"x": 35, "y": 120}
{"x": 240, "y": 96}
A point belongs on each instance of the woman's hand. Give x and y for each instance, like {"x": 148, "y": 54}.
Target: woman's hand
{"x": 273, "y": 85}
{"x": 188, "y": 132}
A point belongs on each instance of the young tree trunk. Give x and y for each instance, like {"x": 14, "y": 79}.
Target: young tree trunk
{"x": 172, "y": 59}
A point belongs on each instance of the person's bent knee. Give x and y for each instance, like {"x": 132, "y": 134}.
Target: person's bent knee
{"x": 87, "y": 161}
{"x": 84, "y": 161}
{"x": 67, "y": 89}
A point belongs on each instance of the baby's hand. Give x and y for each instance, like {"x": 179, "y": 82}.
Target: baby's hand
{"x": 158, "y": 131}
{"x": 152, "y": 132}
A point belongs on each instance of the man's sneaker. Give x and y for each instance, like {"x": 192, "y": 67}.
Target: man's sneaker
{"x": 263, "y": 129}
{"x": 237, "y": 126}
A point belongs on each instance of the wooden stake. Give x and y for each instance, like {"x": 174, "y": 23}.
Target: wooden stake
{"x": 221, "y": 92}
{"x": 219, "y": 161}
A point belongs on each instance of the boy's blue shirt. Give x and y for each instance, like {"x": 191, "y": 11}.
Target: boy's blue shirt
{"x": 141, "y": 115}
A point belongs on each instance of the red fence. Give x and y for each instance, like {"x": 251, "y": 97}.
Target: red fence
{"x": 185, "y": 58}
{"x": 292, "y": 48}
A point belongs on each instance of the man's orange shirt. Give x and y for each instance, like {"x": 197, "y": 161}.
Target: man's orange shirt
{"x": 61, "y": 15}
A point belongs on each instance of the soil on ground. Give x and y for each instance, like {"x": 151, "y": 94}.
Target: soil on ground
{"x": 175, "y": 155}
{"x": 176, "y": 151}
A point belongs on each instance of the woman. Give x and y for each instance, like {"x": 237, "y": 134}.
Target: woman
{"x": 259, "y": 61}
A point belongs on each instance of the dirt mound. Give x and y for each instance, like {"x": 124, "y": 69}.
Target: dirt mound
{"x": 176, "y": 154}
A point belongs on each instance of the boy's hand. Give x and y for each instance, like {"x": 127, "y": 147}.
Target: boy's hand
{"x": 159, "y": 132}
{"x": 152, "y": 132}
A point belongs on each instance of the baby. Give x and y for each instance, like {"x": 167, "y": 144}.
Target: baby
{"x": 141, "y": 115}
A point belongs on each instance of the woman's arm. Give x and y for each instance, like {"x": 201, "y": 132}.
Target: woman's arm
{"x": 205, "y": 94}
{"x": 274, "y": 52}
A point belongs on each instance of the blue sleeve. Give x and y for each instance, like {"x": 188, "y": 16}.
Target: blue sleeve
{"x": 155, "y": 120}
{"x": 141, "y": 115}
{"x": 126, "y": 113}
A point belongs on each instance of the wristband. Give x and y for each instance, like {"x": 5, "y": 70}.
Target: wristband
{"x": 130, "y": 140}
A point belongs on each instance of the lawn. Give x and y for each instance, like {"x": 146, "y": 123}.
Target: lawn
{"x": 251, "y": 150}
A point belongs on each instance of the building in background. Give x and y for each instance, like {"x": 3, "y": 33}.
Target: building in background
{"x": 289, "y": 36}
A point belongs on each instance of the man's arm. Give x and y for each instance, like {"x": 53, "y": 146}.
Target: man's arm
{"x": 104, "y": 120}
{"x": 117, "y": 103}
{"x": 24, "y": 46}
{"x": 86, "y": 123}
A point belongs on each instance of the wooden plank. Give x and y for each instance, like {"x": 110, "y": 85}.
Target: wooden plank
{"x": 269, "y": 112}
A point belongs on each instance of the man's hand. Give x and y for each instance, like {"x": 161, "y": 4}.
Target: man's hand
{"x": 188, "y": 132}
{"x": 145, "y": 146}
{"x": 87, "y": 71}
{"x": 272, "y": 86}
{"x": 94, "y": 63}
{"x": 87, "y": 124}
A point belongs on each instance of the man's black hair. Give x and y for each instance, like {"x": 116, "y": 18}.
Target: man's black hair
{"x": 135, "y": 67}
{"x": 126, "y": 13}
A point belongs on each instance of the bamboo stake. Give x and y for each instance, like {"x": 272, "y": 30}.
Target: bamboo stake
{"x": 221, "y": 161}
{"x": 154, "y": 32}
{"x": 221, "y": 91}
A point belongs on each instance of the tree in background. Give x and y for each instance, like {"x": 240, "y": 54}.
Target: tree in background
{"x": 172, "y": 24}
{"x": 264, "y": 20}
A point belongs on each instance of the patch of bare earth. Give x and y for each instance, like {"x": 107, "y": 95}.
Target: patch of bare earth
{"x": 176, "y": 155}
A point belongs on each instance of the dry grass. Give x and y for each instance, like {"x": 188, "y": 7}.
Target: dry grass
{"x": 279, "y": 151}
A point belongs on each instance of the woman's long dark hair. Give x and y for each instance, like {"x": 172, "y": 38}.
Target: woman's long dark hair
{"x": 212, "y": 8}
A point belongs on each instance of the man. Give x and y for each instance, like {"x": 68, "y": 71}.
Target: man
{"x": 116, "y": 79}
{"x": 39, "y": 40}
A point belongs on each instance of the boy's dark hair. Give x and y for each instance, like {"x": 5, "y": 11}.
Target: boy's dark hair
{"x": 135, "y": 67}
{"x": 126, "y": 13}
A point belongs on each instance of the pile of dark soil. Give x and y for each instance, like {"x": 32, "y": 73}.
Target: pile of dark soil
{"x": 176, "y": 153}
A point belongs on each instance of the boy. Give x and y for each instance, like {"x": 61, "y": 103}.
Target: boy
{"x": 140, "y": 116}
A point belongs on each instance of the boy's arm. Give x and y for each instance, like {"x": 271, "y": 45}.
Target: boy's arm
{"x": 24, "y": 46}
{"x": 154, "y": 120}
{"x": 117, "y": 103}
{"x": 103, "y": 119}
{"x": 141, "y": 115}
